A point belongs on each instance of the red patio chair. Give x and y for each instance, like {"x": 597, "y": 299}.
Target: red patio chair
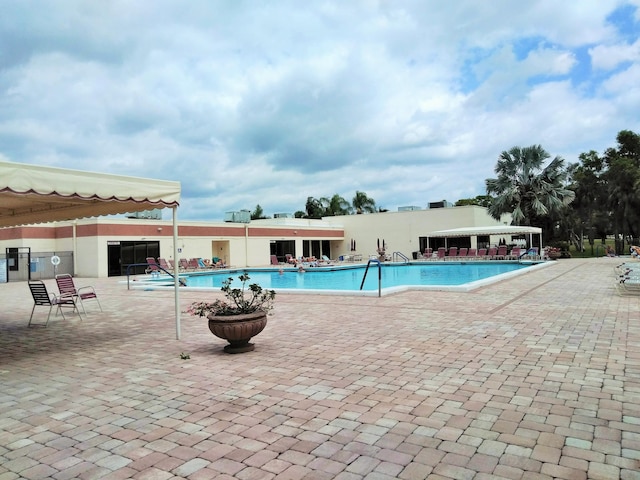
{"x": 153, "y": 265}
{"x": 68, "y": 289}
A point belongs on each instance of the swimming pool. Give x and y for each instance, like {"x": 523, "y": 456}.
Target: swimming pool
{"x": 460, "y": 276}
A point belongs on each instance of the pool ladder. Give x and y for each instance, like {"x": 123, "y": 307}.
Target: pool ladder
{"x": 129, "y": 267}
{"x": 366, "y": 270}
{"x": 401, "y": 255}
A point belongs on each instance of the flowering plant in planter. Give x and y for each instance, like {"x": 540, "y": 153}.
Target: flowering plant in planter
{"x": 246, "y": 299}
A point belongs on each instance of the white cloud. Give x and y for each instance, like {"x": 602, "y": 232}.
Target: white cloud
{"x": 269, "y": 103}
{"x": 608, "y": 57}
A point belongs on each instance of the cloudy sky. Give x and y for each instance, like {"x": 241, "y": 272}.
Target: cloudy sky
{"x": 269, "y": 102}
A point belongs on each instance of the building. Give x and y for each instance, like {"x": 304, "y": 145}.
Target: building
{"x": 108, "y": 246}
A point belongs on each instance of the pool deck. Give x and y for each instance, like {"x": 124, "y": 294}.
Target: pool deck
{"x": 535, "y": 377}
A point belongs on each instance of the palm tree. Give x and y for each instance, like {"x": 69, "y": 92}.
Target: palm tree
{"x": 314, "y": 208}
{"x": 362, "y": 203}
{"x": 335, "y": 205}
{"x": 524, "y": 188}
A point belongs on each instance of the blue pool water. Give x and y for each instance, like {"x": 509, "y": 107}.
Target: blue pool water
{"x": 350, "y": 278}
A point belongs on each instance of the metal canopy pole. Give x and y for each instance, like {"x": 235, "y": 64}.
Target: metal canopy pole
{"x": 176, "y": 271}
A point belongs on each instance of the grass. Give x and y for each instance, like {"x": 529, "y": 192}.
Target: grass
{"x": 598, "y": 249}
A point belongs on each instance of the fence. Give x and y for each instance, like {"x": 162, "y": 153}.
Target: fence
{"x": 23, "y": 266}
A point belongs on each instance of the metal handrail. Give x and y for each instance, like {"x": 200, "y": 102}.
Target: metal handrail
{"x": 366, "y": 270}
{"x": 182, "y": 282}
{"x": 401, "y": 255}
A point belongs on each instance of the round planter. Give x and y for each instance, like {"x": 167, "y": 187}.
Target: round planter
{"x": 238, "y": 329}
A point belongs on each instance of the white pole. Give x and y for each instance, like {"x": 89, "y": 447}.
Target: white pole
{"x": 176, "y": 270}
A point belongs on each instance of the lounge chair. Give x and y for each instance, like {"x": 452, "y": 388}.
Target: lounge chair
{"x": 471, "y": 253}
{"x": 453, "y": 252}
{"x": 441, "y": 253}
{"x": 482, "y": 253}
{"x": 152, "y": 265}
{"x": 68, "y": 289}
{"x": 502, "y": 252}
{"x": 326, "y": 260}
{"x": 183, "y": 263}
{"x": 42, "y": 298}
{"x": 628, "y": 285}
{"x": 218, "y": 263}
{"x": 492, "y": 253}
{"x": 428, "y": 253}
{"x": 515, "y": 253}
{"x": 274, "y": 260}
{"x": 192, "y": 264}
{"x": 163, "y": 263}
{"x": 289, "y": 258}
{"x": 463, "y": 252}
{"x": 532, "y": 253}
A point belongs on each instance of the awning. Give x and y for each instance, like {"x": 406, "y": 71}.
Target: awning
{"x": 36, "y": 194}
{"x": 493, "y": 230}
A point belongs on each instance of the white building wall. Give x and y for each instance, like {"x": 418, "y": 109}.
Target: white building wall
{"x": 401, "y": 230}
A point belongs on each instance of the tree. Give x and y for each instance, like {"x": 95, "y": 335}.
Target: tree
{"x": 361, "y": 203}
{"x": 623, "y": 180}
{"x": 335, "y": 205}
{"x": 480, "y": 200}
{"x": 589, "y": 214}
{"x": 532, "y": 193}
{"x": 258, "y": 213}
{"x": 314, "y": 208}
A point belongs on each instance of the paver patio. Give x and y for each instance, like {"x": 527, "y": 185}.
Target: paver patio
{"x": 537, "y": 377}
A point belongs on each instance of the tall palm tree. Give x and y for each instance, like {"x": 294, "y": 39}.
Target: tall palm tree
{"x": 526, "y": 189}
{"x": 362, "y": 203}
{"x": 314, "y": 208}
{"x": 335, "y": 205}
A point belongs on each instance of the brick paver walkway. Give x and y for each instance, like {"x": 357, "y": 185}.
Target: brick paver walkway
{"x": 537, "y": 377}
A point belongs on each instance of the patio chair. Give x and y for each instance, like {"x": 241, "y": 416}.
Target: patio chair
{"x": 42, "y": 298}
{"x": 152, "y": 265}
{"x": 532, "y": 253}
{"x": 628, "y": 285}
{"x": 68, "y": 289}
